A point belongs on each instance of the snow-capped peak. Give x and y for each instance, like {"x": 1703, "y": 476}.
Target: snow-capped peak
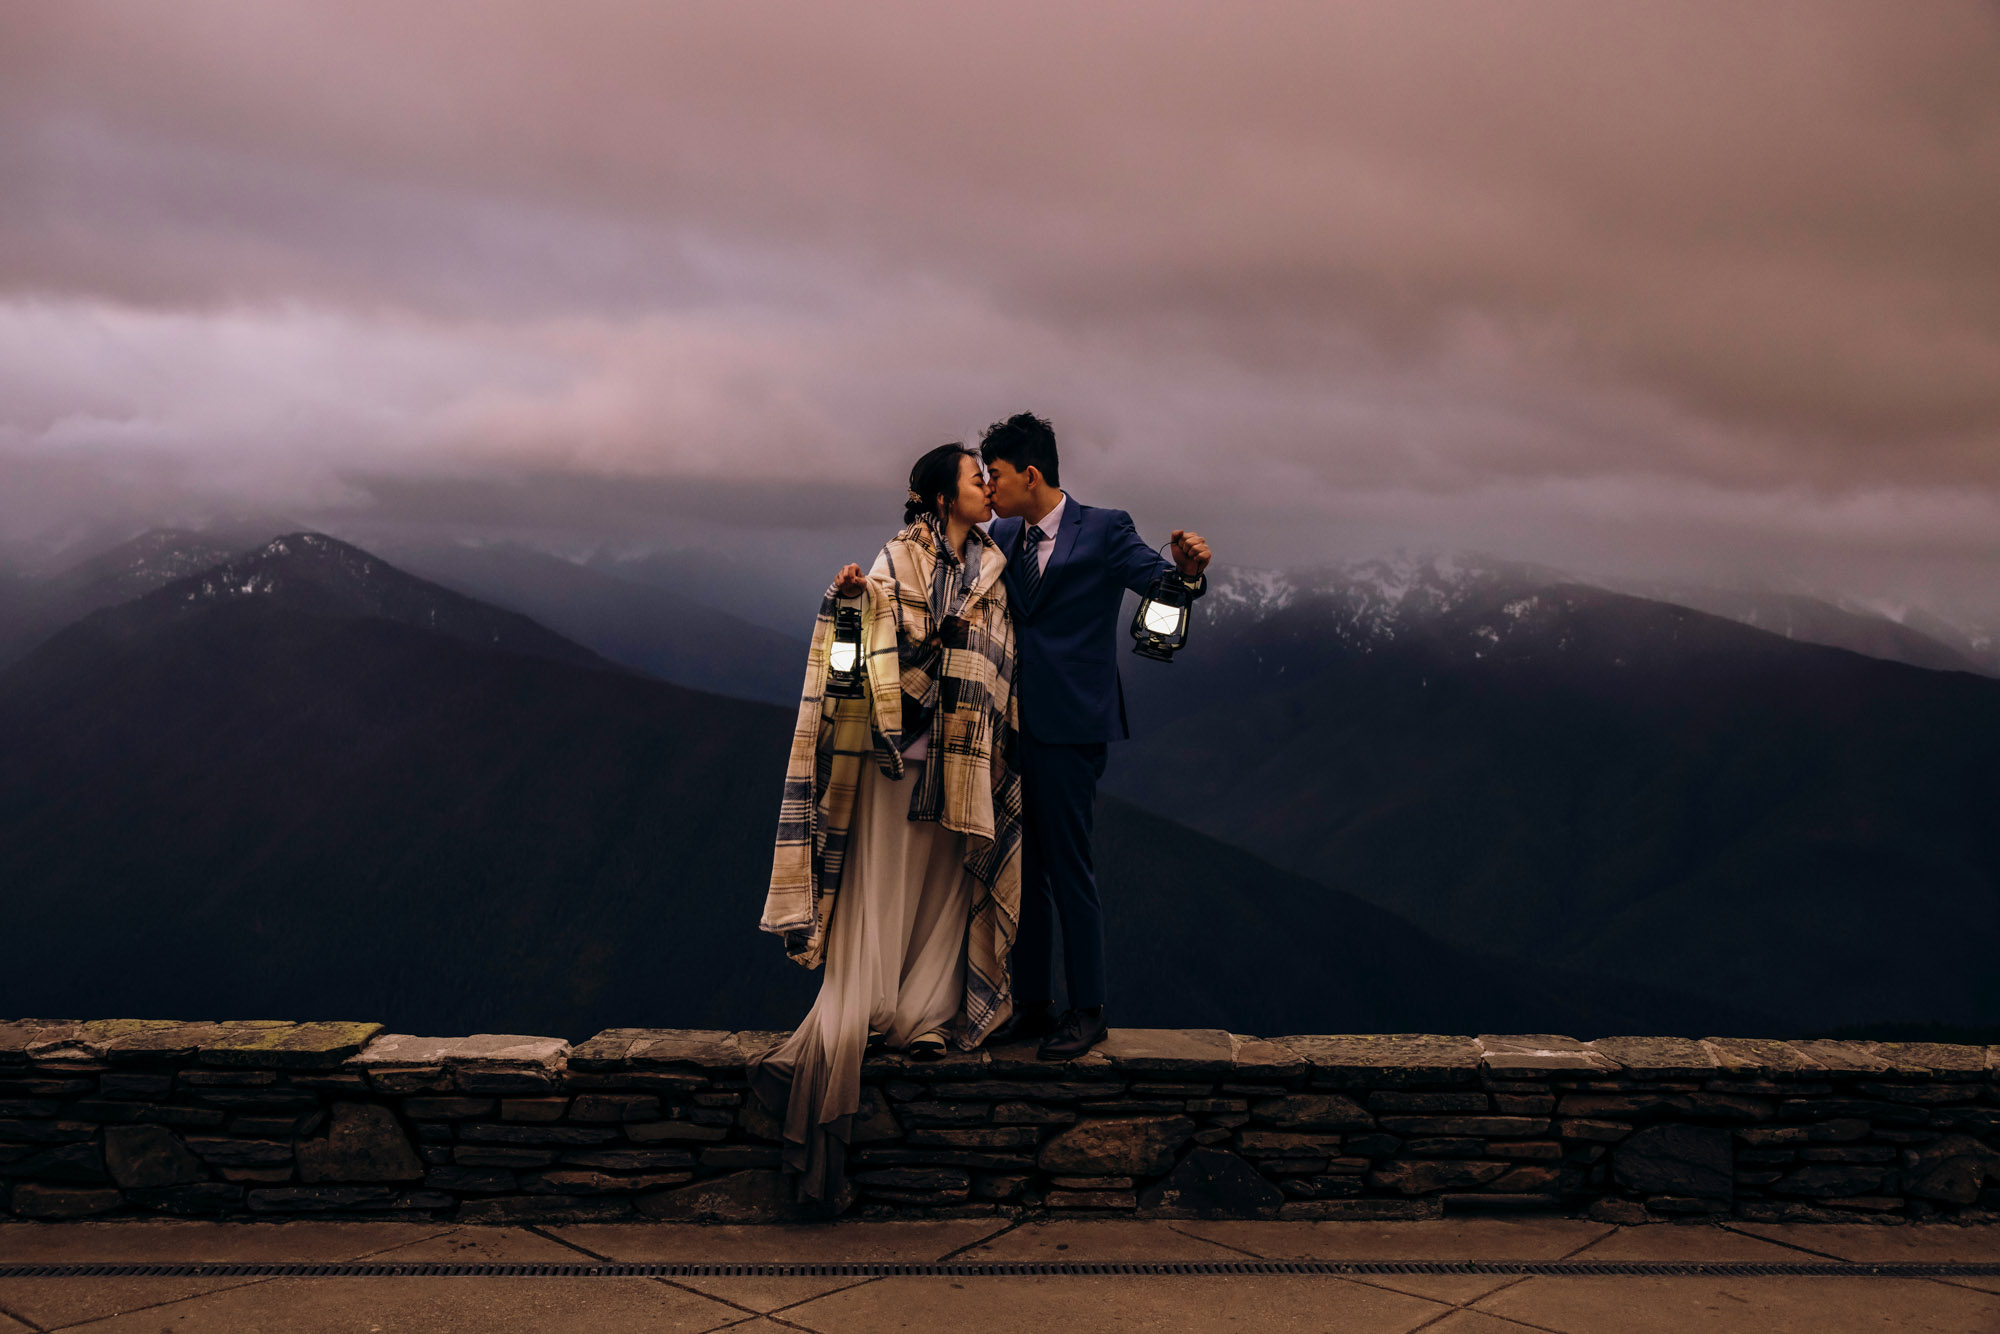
{"x": 1373, "y": 597}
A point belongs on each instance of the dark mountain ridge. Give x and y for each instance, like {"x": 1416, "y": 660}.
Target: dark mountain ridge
{"x": 659, "y": 631}
{"x": 263, "y": 802}
{"x": 1588, "y": 780}
{"x": 313, "y": 574}
{"x": 33, "y": 607}
{"x": 1814, "y": 620}
{"x": 1379, "y": 599}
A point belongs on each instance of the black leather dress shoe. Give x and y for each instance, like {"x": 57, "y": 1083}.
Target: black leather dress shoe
{"x": 1077, "y": 1034}
{"x": 1026, "y": 1025}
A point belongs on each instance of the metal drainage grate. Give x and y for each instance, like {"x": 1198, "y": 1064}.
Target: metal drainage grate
{"x": 1012, "y": 1269}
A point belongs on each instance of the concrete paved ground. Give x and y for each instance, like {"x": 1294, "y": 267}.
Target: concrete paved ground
{"x": 1370, "y": 1305}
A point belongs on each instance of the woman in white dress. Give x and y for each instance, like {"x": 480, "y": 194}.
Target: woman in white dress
{"x": 902, "y": 807}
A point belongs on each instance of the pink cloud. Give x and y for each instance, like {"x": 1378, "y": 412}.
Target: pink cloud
{"x": 1740, "y": 255}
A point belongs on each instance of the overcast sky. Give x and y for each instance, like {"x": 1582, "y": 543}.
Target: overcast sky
{"x": 1708, "y": 289}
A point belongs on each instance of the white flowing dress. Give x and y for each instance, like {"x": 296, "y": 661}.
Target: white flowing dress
{"x": 895, "y": 962}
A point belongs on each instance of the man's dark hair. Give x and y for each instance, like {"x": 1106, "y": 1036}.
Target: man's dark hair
{"x": 1025, "y": 441}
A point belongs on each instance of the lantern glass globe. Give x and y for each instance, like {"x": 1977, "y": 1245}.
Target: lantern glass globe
{"x": 843, "y": 655}
{"x": 1162, "y": 618}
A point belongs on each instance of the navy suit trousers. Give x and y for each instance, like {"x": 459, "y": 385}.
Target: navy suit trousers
{"x": 1059, "y": 791}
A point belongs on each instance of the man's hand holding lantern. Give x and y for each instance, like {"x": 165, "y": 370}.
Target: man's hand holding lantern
{"x": 1191, "y": 553}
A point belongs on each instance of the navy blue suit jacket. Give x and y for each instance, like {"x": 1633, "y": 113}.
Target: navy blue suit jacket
{"x": 1070, "y": 633}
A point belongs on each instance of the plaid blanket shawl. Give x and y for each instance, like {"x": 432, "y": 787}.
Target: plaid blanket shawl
{"x": 970, "y": 780}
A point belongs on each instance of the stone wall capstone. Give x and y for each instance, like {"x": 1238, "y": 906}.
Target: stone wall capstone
{"x": 262, "y": 1119}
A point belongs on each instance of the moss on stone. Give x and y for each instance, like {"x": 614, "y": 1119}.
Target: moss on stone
{"x": 146, "y": 1039}
{"x": 320, "y": 1046}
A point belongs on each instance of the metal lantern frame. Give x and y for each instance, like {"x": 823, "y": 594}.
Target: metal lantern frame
{"x": 846, "y": 672}
{"x": 1160, "y": 625}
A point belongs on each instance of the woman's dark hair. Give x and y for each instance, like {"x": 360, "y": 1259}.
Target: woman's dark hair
{"x": 934, "y": 479}
{"x": 1025, "y": 441}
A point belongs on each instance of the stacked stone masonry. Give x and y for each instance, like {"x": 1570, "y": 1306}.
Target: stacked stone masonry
{"x": 264, "y": 1119}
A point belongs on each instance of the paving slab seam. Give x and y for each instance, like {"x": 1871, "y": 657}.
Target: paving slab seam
{"x": 986, "y": 1240}
{"x": 1462, "y": 1307}
{"x": 1961, "y": 1285}
{"x": 770, "y": 1316}
{"x": 1609, "y": 1232}
{"x": 1450, "y": 1307}
{"x": 1473, "y": 1303}
{"x": 1357, "y": 1280}
{"x": 404, "y": 1245}
{"x": 564, "y": 1242}
{"x": 213, "y": 1292}
{"x": 822, "y": 1296}
{"x": 1193, "y": 1236}
{"x": 199, "y": 1297}
{"x": 657, "y": 1278}
{"x": 154, "y": 1306}
{"x": 21, "y": 1319}
{"x": 667, "y": 1283}
{"x": 1776, "y": 1241}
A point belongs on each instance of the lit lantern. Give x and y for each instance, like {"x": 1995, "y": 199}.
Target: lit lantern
{"x": 844, "y": 675}
{"x": 1160, "y": 626}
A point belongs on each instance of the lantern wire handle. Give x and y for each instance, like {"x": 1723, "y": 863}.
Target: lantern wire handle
{"x": 1167, "y": 589}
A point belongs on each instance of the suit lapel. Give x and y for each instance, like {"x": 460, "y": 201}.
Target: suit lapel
{"x": 1072, "y": 524}
{"x": 1009, "y": 538}
{"x": 1008, "y": 535}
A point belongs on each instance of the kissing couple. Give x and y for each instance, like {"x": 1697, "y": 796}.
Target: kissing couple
{"x": 935, "y": 824}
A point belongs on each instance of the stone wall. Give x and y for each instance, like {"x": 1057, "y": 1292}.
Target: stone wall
{"x": 136, "y": 1118}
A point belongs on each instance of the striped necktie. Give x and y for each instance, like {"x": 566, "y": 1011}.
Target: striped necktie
{"x": 1028, "y": 566}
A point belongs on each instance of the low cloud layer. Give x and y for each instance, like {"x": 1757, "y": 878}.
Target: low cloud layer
{"x": 1705, "y": 288}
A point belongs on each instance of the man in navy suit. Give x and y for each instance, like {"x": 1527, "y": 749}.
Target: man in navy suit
{"x": 1068, "y": 566}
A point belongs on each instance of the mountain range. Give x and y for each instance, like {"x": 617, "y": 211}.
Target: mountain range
{"x": 32, "y": 608}
{"x": 311, "y": 574}
{"x": 653, "y": 629}
{"x": 1439, "y": 793}
{"x": 1572, "y": 777}
{"x": 1380, "y": 597}
{"x": 633, "y": 622}
{"x": 304, "y": 782}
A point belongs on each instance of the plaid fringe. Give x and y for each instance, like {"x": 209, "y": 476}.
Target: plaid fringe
{"x": 970, "y": 781}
